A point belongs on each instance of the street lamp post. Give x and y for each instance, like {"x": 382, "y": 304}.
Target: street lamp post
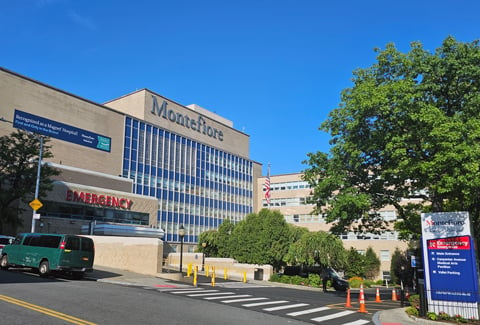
{"x": 181, "y": 234}
{"x": 37, "y": 184}
{"x": 203, "y": 255}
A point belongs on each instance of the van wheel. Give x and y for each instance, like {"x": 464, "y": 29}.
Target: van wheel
{"x": 4, "y": 262}
{"x": 44, "y": 268}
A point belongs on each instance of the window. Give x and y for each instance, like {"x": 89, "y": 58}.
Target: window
{"x": 73, "y": 243}
{"x": 385, "y": 255}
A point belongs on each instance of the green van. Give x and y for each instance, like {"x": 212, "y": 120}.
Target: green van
{"x": 50, "y": 252}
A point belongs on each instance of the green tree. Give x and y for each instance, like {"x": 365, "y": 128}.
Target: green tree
{"x": 400, "y": 269}
{"x": 18, "y": 174}
{"x": 372, "y": 264}
{"x": 224, "y": 238}
{"x": 318, "y": 248}
{"x": 408, "y": 127}
{"x": 208, "y": 243}
{"x": 355, "y": 265}
{"x": 261, "y": 238}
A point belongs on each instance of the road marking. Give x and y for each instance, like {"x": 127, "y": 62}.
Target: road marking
{"x": 180, "y": 289}
{"x": 360, "y": 322}
{"x": 46, "y": 311}
{"x": 192, "y": 291}
{"x": 265, "y": 303}
{"x": 242, "y": 300}
{"x": 332, "y": 316}
{"x": 284, "y": 307}
{"x": 308, "y": 311}
{"x": 226, "y": 297}
{"x": 211, "y": 294}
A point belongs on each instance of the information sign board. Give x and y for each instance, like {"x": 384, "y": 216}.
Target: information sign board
{"x": 65, "y": 132}
{"x": 452, "y": 274}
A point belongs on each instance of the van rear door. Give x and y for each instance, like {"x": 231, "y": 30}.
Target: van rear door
{"x": 77, "y": 253}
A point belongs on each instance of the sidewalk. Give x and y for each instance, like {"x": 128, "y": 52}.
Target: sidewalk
{"x": 395, "y": 316}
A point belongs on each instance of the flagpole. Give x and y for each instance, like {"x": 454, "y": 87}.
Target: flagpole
{"x": 267, "y": 187}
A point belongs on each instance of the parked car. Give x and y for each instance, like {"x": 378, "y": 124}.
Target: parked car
{"x": 50, "y": 252}
{"x": 5, "y": 240}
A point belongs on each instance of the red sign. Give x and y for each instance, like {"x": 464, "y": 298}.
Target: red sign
{"x": 98, "y": 199}
{"x": 462, "y": 242}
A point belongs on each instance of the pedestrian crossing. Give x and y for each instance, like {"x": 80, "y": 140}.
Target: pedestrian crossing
{"x": 314, "y": 314}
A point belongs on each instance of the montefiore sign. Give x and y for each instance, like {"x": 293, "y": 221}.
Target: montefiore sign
{"x": 451, "y": 277}
{"x": 198, "y": 124}
{"x": 98, "y": 199}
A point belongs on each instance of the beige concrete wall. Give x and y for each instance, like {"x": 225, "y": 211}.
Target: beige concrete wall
{"x": 33, "y": 97}
{"x": 140, "y": 255}
{"x": 139, "y": 104}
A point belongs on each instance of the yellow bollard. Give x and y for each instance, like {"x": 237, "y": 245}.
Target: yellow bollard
{"x": 225, "y": 277}
{"x": 195, "y": 271}
{"x": 244, "y": 277}
{"x": 189, "y": 269}
{"x": 213, "y": 279}
{"x": 207, "y": 267}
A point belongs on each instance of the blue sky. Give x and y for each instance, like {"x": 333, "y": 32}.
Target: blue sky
{"x": 274, "y": 67}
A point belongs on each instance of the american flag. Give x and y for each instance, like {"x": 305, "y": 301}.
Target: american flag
{"x": 267, "y": 188}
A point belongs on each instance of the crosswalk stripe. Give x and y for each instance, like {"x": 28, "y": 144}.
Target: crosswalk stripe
{"x": 284, "y": 307}
{"x": 242, "y": 300}
{"x": 332, "y": 316}
{"x": 265, "y": 303}
{"x": 210, "y": 294}
{"x": 193, "y": 291}
{"x": 358, "y": 322}
{"x": 227, "y": 297}
{"x": 308, "y": 311}
{"x": 178, "y": 289}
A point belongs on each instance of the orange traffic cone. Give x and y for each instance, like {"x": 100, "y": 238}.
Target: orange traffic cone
{"x": 394, "y": 294}
{"x": 362, "y": 309}
{"x": 377, "y": 296}
{"x": 348, "y": 304}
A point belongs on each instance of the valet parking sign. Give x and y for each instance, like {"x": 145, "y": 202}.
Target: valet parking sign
{"x": 450, "y": 264}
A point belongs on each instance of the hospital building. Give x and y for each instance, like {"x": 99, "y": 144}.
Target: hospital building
{"x": 141, "y": 160}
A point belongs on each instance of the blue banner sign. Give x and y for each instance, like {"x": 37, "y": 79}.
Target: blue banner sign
{"x": 452, "y": 270}
{"x": 65, "y": 132}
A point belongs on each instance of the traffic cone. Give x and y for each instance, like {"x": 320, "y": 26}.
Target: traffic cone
{"x": 394, "y": 294}
{"x": 362, "y": 309}
{"x": 377, "y": 296}
{"x": 348, "y": 304}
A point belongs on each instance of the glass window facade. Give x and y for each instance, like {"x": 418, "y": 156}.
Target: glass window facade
{"x": 196, "y": 185}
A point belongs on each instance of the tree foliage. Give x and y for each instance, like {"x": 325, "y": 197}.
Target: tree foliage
{"x": 261, "y": 238}
{"x": 318, "y": 248}
{"x": 18, "y": 174}
{"x": 355, "y": 264}
{"x": 372, "y": 264}
{"x": 408, "y": 127}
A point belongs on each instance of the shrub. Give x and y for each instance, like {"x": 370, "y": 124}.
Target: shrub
{"x": 314, "y": 280}
{"x": 432, "y": 315}
{"x": 355, "y": 282}
{"x": 414, "y": 301}
{"x": 412, "y": 311}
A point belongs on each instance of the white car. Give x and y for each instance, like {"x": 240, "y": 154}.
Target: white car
{"x": 5, "y": 240}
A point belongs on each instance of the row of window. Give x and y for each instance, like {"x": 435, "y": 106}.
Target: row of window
{"x": 288, "y": 186}
{"x": 289, "y": 202}
{"x": 189, "y": 178}
{"x": 83, "y": 212}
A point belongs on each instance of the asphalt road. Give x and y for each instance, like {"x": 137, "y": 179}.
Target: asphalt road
{"x": 26, "y": 298}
